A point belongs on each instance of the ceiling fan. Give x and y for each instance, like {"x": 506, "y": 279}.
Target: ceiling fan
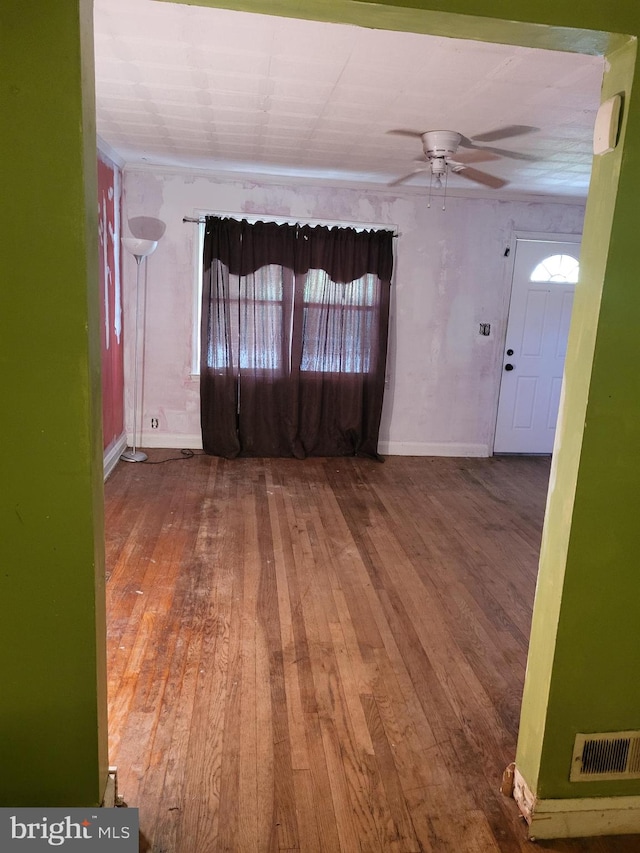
{"x": 441, "y": 154}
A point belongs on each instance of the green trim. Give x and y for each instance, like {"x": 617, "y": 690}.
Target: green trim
{"x": 562, "y": 582}
{"x": 509, "y": 22}
{"x": 53, "y": 709}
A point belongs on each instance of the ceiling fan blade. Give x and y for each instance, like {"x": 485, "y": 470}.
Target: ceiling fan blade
{"x": 478, "y": 155}
{"x": 504, "y": 133}
{"x": 406, "y": 177}
{"x": 513, "y": 155}
{"x": 403, "y": 132}
{"x": 482, "y": 178}
{"x": 501, "y": 152}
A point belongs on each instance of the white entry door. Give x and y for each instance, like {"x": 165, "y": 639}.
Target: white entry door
{"x": 544, "y": 279}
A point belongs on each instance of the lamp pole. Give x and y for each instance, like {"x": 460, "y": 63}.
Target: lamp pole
{"x": 140, "y": 249}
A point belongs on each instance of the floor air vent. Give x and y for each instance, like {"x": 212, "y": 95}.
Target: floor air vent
{"x": 611, "y": 755}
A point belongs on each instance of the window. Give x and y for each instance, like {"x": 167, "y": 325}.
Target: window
{"x": 338, "y": 323}
{"x": 254, "y": 304}
{"x": 352, "y": 305}
{"x": 294, "y": 325}
{"x": 561, "y": 268}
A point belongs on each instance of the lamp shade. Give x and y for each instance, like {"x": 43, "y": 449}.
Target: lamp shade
{"x": 147, "y": 227}
{"x": 138, "y": 247}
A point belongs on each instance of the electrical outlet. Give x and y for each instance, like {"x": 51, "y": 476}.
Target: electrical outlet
{"x": 154, "y": 423}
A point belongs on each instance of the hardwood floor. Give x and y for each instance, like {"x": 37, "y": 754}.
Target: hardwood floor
{"x": 322, "y": 655}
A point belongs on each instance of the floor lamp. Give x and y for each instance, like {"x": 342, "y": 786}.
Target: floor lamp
{"x": 140, "y": 249}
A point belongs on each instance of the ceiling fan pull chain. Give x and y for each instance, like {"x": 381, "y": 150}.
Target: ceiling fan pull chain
{"x": 446, "y": 181}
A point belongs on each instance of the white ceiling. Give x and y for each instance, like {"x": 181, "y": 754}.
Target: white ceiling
{"x": 236, "y": 92}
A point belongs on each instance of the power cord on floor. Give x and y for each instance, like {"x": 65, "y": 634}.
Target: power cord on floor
{"x": 185, "y": 453}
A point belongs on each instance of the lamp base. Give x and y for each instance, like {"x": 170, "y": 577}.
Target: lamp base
{"x": 133, "y": 456}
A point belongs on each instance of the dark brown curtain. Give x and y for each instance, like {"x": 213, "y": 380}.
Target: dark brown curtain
{"x": 294, "y": 334}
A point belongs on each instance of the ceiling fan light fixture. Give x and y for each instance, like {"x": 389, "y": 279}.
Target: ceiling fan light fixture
{"x": 440, "y": 143}
{"x": 440, "y": 148}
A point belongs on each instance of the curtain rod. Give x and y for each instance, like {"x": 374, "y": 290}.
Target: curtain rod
{"x": 201, "y": 221}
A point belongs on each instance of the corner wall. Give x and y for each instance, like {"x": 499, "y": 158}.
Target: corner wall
{"x": 111, "y": 320}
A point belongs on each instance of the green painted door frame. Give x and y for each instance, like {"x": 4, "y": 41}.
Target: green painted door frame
{"x": 584, "y": 646}
{"x": 53, "y": 733}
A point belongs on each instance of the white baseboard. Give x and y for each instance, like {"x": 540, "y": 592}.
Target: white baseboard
{"x": 576, "y": 818}
{"x": 419, "y": 448}
{"x": 155, "y": 438}
{"x": 112, "y": 454}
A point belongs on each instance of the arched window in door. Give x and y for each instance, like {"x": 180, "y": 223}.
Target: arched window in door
{"x": 561, "y": 268}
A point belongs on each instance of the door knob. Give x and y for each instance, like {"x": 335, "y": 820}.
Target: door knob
{"x": 508, "y": 367}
